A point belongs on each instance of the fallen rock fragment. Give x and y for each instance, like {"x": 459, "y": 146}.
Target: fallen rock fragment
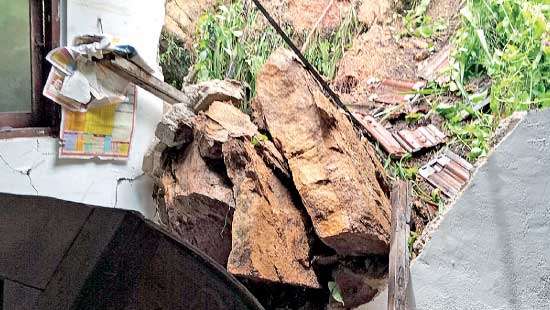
{"x": 223, "y": 121}
{"x": 338, "y": 176}
{"x": 391, "y": 91}
{"x": 433, "y": 68}
{"x": 176, "y": 126}
{"x": 153, "y": 159}
{"x": 269, "y": 233}
{"x": 198, "y": 204}
{"x": 360, "y": 280}
{"x": 208, "y": 92}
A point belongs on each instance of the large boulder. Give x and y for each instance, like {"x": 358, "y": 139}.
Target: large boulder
{"x": 338, "y": 176}
{"x": 196, "y": 203}
{"x": 270, "y": 242}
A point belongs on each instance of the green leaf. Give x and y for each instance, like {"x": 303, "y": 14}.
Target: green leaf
{"x": 335, "y": 292}
{"x": 258, "y": 138}
{"x": 413, "y": 117}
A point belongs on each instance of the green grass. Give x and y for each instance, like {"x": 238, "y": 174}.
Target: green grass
{"x": 418, "y": 24}
{"x": 230, "y": 45}
{"x": 505, "y": 39}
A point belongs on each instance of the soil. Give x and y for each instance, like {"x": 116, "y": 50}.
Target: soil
{"x": 384, "y": 52}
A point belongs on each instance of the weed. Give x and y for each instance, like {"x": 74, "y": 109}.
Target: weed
{"x": 508, "y": 41}
{"x": 412, "y": 239}
{"x": 174, "y": 59}
{"x": 325, "y": 51}
{"x": 399, "y": 169}
{"x": 335, "y": 292}
{"x": 258, "y": 138}
{"x": 413, "y": 117}
{"x": 418, "y": 24}
{"x": 231, "y": 45}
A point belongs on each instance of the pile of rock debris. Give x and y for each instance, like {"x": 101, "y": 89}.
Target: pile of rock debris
{"x": 293, "y": 198}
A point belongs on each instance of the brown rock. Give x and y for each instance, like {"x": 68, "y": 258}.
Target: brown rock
{"x": 207, "y": 92}
{"x": 218, "y": 124}
{"x": 361, "y": 280}
{"x": 176, "y": 126}
{"x": 269, "y": 232}
{"x": 153, "y": 159}
{"x": 198, "y": 204}
{"x": 182, "y": 17}
{"x": 338, "y": 176}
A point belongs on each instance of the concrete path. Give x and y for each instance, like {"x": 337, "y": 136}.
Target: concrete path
{"x": 492, "y": 250}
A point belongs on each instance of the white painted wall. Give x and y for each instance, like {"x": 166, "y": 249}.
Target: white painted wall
{"x": 31, "y": 165}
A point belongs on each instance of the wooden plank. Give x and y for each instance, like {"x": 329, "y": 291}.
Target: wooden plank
{"x": 35, "y": 234}
{"x": 18, "y": 296}
{"x": 399, "y": 274}
{"x": 131, "y": 72}
{"x": 65, "y": 286}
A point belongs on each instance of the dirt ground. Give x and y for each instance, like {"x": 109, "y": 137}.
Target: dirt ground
{"x": 383, "y": 52}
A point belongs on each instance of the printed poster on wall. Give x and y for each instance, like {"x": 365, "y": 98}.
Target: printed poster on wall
{"x": 104, "y": 131}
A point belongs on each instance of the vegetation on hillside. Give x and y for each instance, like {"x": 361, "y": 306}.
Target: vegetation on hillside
{"x": 230, "y": 44}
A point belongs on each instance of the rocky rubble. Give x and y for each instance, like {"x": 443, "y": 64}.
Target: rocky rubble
{"x": 268, "y": 198}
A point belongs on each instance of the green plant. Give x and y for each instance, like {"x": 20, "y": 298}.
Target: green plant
{"x": 413, "y": 117}
{"x": 411, "y": 240}
{"x": 335, "y": 292}
{"x": 473, "y": 133}
{"x": 324, "y": 52}
{"x": 233, "y": 43}
{"x": 418, "y": 24}
{"x": 399, "y": 168}
{"x": 258, "y": 138}
{"x": 508, "y": 41}
{"x": 174, "y": 59}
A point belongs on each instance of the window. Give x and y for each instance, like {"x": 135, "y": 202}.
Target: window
{"x": 29, "y": 31}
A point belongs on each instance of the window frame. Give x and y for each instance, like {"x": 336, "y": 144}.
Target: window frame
{"x": 44, "y": 118}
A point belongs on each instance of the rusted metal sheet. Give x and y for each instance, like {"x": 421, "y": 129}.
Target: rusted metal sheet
{"x": 396, "y": 91}
{"x": 448, "y": 172}
{"x": 422, "y": 137}
{"x": 432, "y": 69}
{"x": 382, "y": 135}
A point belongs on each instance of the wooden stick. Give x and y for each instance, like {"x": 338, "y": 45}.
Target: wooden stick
{"x": 399, "y": 287}
{"x": 131, "y": 72}
{"x": 306, "y": 43}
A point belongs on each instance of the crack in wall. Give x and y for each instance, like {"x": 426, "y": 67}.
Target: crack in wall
{"x": 124, "y": 179}
{"x": 25, "y": 172}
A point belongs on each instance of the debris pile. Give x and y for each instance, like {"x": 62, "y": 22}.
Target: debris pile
{"x": 293, "y": 197}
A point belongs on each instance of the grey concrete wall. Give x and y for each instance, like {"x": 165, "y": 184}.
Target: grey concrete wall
{"x": 492, "y": 250}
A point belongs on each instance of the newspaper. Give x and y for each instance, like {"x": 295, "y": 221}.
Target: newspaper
{"x": 104, "y": 131}
{"x": 98, "y": 114}
{"x": 52, "y": 90}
